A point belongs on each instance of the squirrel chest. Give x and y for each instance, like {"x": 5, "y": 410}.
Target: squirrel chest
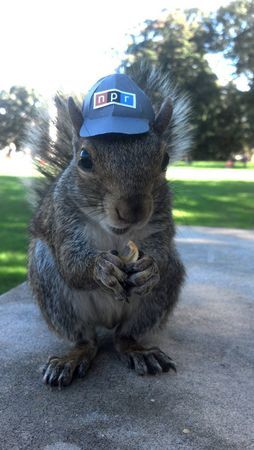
{"x": 97, "y": 306}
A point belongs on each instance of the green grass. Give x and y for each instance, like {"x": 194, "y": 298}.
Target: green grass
{"x": 228, "y": 204}
{"x": 208, "y": 203}
{"x": 14, "y": 217}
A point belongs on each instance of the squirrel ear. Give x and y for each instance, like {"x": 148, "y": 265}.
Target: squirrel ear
{"x": 163, "y": 117}
{"x": 75, "y": 115}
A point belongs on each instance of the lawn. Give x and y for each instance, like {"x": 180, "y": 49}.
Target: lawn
{"x": 217, "y": 203}
{"x": 15, "y": 215}
{"x": 228, "y": 204}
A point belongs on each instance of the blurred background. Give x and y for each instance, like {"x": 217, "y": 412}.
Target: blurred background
{"x": 206, "y": 47}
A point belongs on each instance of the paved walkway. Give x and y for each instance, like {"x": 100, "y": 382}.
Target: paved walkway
{"x": 203, "y": 174}
{"x": 208, "y": 404}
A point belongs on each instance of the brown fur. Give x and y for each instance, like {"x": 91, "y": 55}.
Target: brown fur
{"x": 83, "y": 216}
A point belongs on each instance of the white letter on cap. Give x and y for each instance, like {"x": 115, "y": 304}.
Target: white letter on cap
{"x": 113, "y": 96}
{"x": 101, "y": 99}
{"x": 125, "y": 98}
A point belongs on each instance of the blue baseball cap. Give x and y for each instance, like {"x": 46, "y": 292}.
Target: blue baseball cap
{"x": 115, "y": 104}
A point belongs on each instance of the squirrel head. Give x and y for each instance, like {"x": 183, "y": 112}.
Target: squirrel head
{"x": 119, "y": 177}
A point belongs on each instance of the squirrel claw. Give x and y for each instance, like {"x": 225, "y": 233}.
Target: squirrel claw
{"x": 144, "y": 361}
{"x": 60, "y": 371}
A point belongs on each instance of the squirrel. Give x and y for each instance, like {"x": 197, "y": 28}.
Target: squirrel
{"x": 105, "y": 186}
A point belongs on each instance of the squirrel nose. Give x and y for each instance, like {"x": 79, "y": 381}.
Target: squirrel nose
{"x": 133, "y": 209}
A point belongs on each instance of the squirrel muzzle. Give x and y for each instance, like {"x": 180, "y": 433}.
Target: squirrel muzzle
{"x": 132, "y": 210}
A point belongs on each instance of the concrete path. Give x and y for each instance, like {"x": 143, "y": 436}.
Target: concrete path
{"x": 208, "y": 404}
{"x": 206, "y": 174}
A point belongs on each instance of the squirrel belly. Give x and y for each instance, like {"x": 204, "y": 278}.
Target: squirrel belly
{"x": 72, "y": 313}
{"x": 88, "y": 308}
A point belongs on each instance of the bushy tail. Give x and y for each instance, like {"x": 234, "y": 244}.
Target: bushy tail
{"x": 50, "y": 140}
{"x": 157, "y": 86}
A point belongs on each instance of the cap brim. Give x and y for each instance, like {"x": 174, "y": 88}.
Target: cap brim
{"x": 106, "y": 125}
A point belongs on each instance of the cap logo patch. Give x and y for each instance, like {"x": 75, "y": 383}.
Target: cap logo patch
{"x": 114, "y": 96}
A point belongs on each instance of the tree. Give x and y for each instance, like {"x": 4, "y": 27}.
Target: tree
{"x": 18, "y": 107}
{"x": 231, "y": 31}
{"x": 179, "y": 44}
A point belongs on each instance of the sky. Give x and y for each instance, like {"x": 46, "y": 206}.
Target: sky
{"x": 52, "y": 44}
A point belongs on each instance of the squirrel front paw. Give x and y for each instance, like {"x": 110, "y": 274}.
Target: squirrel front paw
{"x": 109, "y": 274}
{"x": 143, "y": 275}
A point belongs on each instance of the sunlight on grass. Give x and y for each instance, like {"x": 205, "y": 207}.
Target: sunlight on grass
{"x": 214, "y": 203}
{"x": 179, "y": 214}
{"x": 16, "y": 270}
{"x": 13, "y": 256}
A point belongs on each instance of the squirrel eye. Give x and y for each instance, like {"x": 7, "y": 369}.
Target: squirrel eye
{"x": 165, "y": 162}
{"x": 85, "y": 161}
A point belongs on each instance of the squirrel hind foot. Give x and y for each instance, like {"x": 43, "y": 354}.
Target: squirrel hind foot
{"x": 145, "y": 361}
{"x": 61, "y": 371}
